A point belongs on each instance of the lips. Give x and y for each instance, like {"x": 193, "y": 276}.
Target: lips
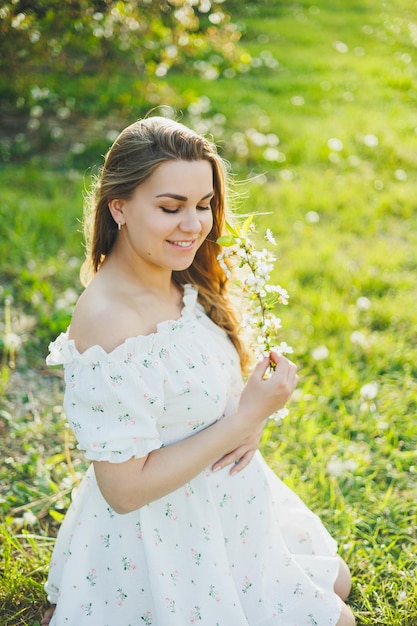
{"x": 182, "y": 244}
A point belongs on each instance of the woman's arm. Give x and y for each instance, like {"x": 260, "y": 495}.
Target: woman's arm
{"x": 130, "y": 485}
{"x": 241, "y": 456}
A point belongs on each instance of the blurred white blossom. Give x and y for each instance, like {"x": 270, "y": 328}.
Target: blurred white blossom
{"x": 67, "y": 300}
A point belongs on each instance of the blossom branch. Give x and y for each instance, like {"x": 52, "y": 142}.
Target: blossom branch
{"x": 239, "y": 253}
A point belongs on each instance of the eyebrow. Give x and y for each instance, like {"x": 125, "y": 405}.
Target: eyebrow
{"x": 175, "y": 196}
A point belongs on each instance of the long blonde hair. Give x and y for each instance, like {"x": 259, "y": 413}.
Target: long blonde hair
{"x": 136, "y": 153}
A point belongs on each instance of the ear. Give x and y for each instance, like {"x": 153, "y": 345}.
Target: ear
{"x": 116, "y": 210}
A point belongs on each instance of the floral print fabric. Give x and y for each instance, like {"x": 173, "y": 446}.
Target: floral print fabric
{"x": 220, "y": 551}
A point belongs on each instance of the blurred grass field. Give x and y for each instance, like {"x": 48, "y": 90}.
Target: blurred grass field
{"x": 325, "y": 128}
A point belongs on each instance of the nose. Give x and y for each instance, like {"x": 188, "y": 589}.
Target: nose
{"x": 190, "y": 222}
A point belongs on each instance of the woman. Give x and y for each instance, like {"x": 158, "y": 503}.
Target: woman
{"x": 162, "y": 532}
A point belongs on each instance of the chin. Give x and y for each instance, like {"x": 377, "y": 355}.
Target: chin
{"x": 182, "y": 267}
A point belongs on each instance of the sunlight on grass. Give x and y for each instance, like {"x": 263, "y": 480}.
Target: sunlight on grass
{"x": 324, "y": 125}
{"x": 23, "y": 570}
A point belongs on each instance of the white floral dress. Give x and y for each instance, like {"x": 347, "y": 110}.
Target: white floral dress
{"x": 220, "y": 551}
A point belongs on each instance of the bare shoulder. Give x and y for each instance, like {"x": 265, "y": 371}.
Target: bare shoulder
{"x": 102, "y": 318}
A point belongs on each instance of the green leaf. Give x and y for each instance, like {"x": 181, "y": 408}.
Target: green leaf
{"x": 226, "y": 241}
{"x": 246, "y": 224}
{"x": 56, "y": 515}
{"x": 232, "y": 230}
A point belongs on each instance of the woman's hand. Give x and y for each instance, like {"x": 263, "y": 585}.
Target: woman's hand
{"x": 242, "y": 455}
{"x": 266, "y": 392}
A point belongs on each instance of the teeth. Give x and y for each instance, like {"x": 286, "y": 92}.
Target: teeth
{"x": 183, "y": 244}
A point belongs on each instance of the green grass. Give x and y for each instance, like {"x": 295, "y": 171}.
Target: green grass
{"x": 344, "y": 216}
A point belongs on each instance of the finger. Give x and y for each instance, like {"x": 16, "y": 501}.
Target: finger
{"x": 283, "y": 366}
{"x": 231, "y": 457}
{"x": 275, "y": 356}
{"x": 239, "y": 465}
{"x": 226, "y": 460}
{"x": 261, "y": 368}
{"x": 291, "y": 373}
{"x": 280, "y": 359}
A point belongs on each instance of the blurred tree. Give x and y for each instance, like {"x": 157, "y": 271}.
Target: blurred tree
{"x": 86, "y": 36}
{"x": 53, "y": 53}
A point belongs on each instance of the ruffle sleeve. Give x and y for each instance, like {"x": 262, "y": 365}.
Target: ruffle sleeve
{"x": 112, "y": 401}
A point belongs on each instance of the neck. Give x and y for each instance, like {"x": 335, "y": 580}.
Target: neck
{"x": 135, "y": 273}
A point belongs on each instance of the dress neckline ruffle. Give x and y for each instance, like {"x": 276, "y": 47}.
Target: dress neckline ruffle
{"x": 63, "y": 350}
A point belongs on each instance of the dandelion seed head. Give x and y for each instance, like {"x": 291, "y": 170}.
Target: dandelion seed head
{"x": 320, "y": 353}
{"x": 312, "y": 217}
{"x": 369, "y": 391}
{"x": 370, "y": 140}
{"x": 337, "y": 467}
{"x": 363, "y": 303}
{"x": 12, "y": 341}
{"x": 341, "y": 47}
{"x": 359, "y": 339}
{"x": 400, "y": 175}
{"x": 335, "y": 144}
{"x": 297, "y": 101}
{"x": 29, "y": 519}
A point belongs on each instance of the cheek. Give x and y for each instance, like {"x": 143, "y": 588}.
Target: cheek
{"x": 208, "y": 223}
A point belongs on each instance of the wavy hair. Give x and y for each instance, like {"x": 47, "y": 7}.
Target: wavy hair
{"x": 136, "y": 153}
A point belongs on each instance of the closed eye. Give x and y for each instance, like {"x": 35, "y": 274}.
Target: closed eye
{"x": 165, "y": 210}
{"x": 199, "y": 207}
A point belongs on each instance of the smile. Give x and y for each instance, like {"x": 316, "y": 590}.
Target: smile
{"x": 182, "y": 244}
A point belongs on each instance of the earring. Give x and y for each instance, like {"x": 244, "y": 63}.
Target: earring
{"x": 119, "y": 225}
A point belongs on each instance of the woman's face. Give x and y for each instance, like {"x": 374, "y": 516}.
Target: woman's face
{"x": 169, "y": 215}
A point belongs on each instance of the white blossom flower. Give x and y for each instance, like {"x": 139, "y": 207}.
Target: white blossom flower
{"x": 283, "y": 348}
{"x": 270, "y": 237}
{"x": 239, "y": 252}
{"x": 283, "y": 295}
